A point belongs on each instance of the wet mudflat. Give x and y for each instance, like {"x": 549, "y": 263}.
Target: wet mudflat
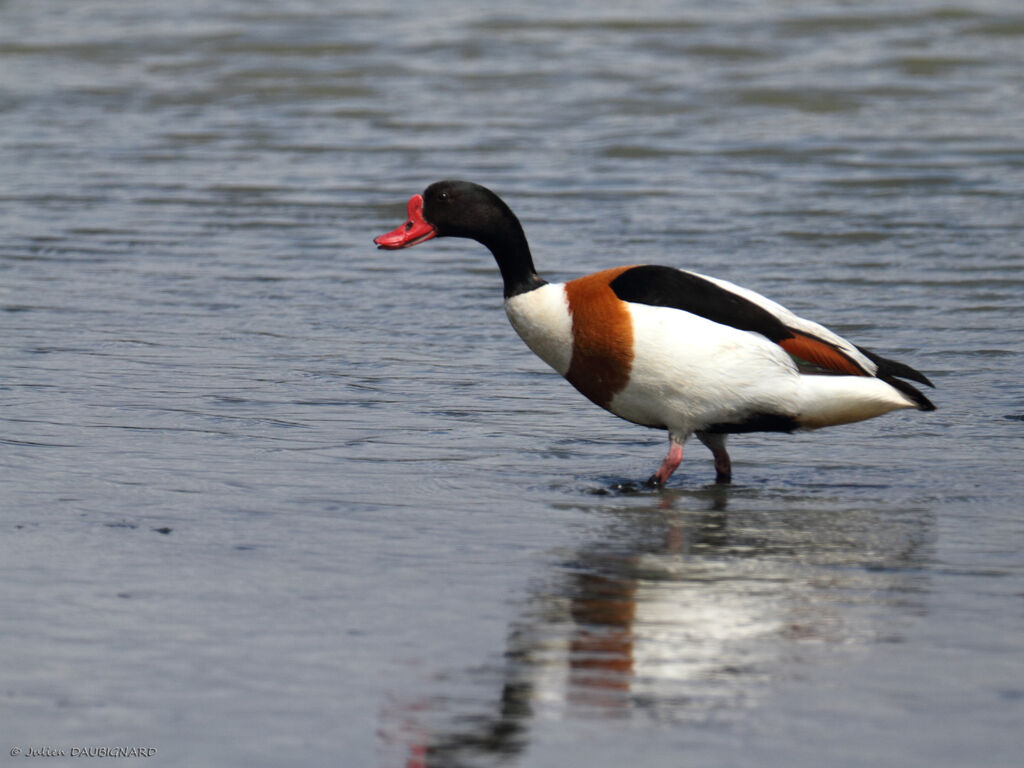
{"x": 269, "y": 496}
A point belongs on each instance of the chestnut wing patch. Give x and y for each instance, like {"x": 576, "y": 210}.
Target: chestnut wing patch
{"x": 820, "y": 353}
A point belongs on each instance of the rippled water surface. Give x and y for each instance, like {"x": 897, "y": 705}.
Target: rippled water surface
{"x": 272, "y": 497}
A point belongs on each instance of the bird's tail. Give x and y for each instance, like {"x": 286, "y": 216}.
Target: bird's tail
{"x": 829, "y": 400}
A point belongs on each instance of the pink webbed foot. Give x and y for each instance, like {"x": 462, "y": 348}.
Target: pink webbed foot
{"x": 723, "y": 464}
{"x": 669, "y": 465}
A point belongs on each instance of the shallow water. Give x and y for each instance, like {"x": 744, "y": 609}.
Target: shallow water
{"x": 272, "y": 496}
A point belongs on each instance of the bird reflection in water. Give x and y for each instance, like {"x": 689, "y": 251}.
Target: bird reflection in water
{"x": 679, "y": 615}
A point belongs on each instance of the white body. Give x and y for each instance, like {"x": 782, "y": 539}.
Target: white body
{"x": 688, "y": 373}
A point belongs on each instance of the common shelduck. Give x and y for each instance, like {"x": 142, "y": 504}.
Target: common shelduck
{"x": 667, "y": 348}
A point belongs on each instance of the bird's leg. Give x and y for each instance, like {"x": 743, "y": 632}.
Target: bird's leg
{"x": 723, "y": 465}
{"x": 668, "y": 466}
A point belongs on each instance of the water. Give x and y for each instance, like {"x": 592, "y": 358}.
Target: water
{"x": 271, "y": 496}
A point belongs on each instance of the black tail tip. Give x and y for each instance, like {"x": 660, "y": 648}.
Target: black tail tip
{"x": 913, "y": 393}
{"x": 923, "y": 403}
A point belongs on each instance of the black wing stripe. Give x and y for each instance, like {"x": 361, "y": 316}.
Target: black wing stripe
{"x": 667, "y": 287}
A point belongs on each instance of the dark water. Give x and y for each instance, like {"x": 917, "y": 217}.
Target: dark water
{"x": 272, "y": 497}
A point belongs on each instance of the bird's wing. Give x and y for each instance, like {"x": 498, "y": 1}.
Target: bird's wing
{"x": 728, "y": 304}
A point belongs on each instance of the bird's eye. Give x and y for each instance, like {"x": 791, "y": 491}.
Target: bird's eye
{"x": 443, "y": 196}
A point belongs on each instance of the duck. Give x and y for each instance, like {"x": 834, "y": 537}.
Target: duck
{"x": 667, "y": 348}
